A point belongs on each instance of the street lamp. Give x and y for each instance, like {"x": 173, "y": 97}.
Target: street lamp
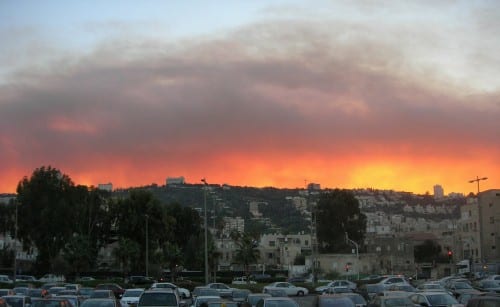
{"x": 147, "y": 245}
{"x": 357, "y": 250}
{"x": 15, "y": 244}
{"x": 205, "y": 224}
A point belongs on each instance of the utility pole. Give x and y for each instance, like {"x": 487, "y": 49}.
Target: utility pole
{"x": 477, "y": 180}
{"x": 205, "y": 223}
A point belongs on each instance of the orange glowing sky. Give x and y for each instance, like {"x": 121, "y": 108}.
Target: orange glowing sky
{"x": 344, "y": 95}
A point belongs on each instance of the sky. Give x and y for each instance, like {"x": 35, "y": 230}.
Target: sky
{"x": 398, "y": 95}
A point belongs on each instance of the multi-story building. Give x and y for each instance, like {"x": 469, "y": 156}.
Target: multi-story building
{"x": 281, "y": 250}
{"x": 469, "y": 245}
{"x": 438, "y": 192}
{"x": 105, "y": 186}
{"x": 175, "y": 180}
{"x": 489, "y": 223}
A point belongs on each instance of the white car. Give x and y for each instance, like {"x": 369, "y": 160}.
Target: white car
{"x": 183, "y": 292}
{"x": 290, "y": 289}
{"x": 131, "y": 297}
{"x": 393, "y": 280}
{"x": 242, "y": 281}
{"x": 4, "y": 279}
{"x": 52, "y": 278}
{"x": 336, "y": 283}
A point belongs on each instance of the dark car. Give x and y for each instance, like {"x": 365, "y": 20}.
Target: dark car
{"x": 116, "y": 288}
{"x": 50, "y": 302}
{"x": 487, "y": 300}
{"x": 140, "y": 280}
{"x": 327, "y": 300}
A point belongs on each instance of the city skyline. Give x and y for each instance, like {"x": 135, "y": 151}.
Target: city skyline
{"x": 375, "y": 94}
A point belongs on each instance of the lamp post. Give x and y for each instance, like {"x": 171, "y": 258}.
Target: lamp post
{"x": 357, "y": 251}
{"x": 205, "y": 224}
{"x": 147, "y": 245}
{"x": 15, "y": 245}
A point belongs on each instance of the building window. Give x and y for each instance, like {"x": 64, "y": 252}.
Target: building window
{"x": 272, "y": 243}
{"x": 306, "y": 242}
{"x": 492, "y": 220}
{"x": 493, "y": 247}
{"x": 270, "y": 255}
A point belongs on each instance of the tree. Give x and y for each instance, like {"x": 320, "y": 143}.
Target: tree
{"x": 246, "y": 250}
{"x": 78, "y": 251}
{"x": 45, "y": 200}
{"x": 126, "y": 253}
{"x": 338, "y": 214}
{"x": 428, "y": 251}
{"x": 172, "y": 256}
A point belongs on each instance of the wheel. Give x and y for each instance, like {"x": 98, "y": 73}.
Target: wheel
{"x": 300, "y": 293}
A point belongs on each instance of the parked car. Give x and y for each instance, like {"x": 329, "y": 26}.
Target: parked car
{"x": 4, "y": 292}
{"x": 336, "y": 283}
{"x": 205, "y": 291}
{"x": 240, "y": 295}
{"x": 4, "y": 279}
{"x": 52, "y": 278}
{"x": 327, "y": 300}
{"x": 223, "y": 289}
{"x": 489, "y": 286}
{"x": 391, "y": 301}
{"x": 163, "y": 297}
{"x": 223, "y": 303}
{"x": 183, "y": 292}
{"x": 131, "y": 297}
{"x": 358, "y": 299}
{"x": 289, "y": 288}
{"x": 393, "y": 280}
{"x": 484, "y": 301}
{"x": 103, "y": 294}
{"x": 26, "y": 278}
{"x": 116, "y": 288}
{"x": 140, "y": 280}
{"x": 254, "y": 298}
{"x": 17, "y": 300}
{"x": 277, "y": 302}
{"x": 459, "y": 287}
{"x": 21, "y": 290}
{"x": 100, "y": 302}
{"x": 242, "y": 281}
{"x": 204, "y": 299}
{"x": 37, "y": 292}
{"x": 50, "y": 302}
{"x": 431, "y": 299}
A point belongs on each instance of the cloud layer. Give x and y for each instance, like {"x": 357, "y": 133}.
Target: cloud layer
{"x": 273, "y": 103}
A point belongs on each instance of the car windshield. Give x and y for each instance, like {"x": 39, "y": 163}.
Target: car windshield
{"x": 462, "y": 285}
{"x": 158, "y": 299}
{"x": 255, "y": 298}
{"x": 357, "y": 299}
{"x": 222, "y": 304}
{"x": 335, "y": 302}
{"x": 46, "y": 303}
{"x": 98, "y": 303}
{"x": 441, "y": 299}
{"x": 398, "y": 302}
{"x": 14, "y": 301}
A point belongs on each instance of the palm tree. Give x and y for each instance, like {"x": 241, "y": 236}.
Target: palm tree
{"x": 246, "y": 252}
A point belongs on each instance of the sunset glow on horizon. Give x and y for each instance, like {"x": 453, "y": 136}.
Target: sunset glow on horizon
{"x": 380, "y": 95}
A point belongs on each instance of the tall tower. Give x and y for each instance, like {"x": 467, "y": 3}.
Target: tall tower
{"x": 438, "y": 192}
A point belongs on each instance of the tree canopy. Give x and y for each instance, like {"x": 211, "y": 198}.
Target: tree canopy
{"x": 338, "y": 214}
